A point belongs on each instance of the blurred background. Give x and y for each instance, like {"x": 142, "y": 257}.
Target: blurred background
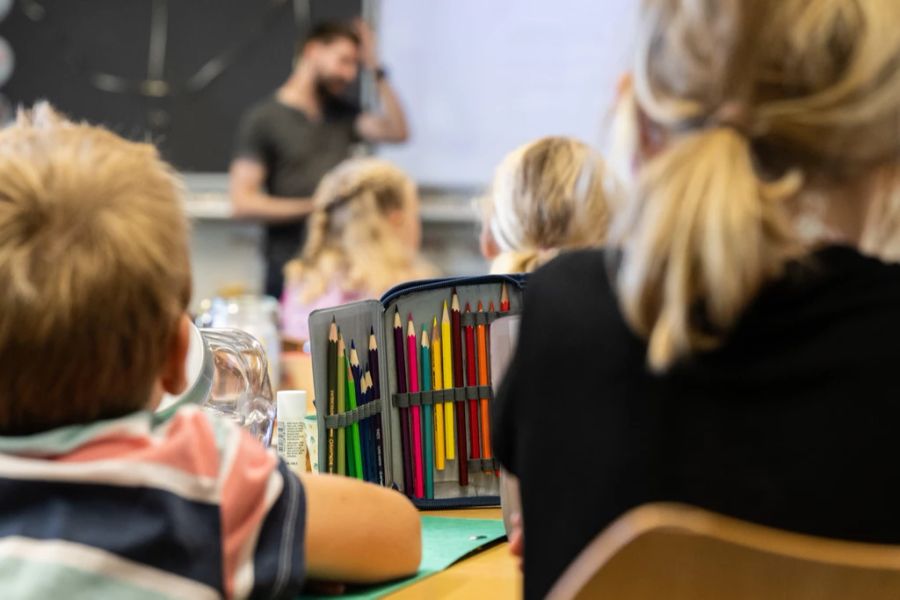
{"x": 476, "y": 79}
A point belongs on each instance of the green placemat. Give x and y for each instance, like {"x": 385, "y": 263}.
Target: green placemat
{"x": 444, "y": 541}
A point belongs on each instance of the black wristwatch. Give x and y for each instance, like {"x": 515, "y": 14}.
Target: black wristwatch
{"x": 380, "y": 73}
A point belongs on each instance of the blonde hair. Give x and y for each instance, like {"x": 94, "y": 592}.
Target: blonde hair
{"x": 758, "y": 98}
{"x": 546, "y": 196}
{"x": 351, "y": 241}
{"x": 95, "y": 270}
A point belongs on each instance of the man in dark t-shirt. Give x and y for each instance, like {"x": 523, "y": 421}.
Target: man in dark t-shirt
{"x": 286, "y": 143}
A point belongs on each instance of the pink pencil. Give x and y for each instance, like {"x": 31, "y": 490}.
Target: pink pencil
{"x": 415, "y": 413}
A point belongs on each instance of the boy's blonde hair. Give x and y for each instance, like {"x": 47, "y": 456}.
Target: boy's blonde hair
{"x": 351, "y": 241}
{"x": 95, "y": 271}
{"x": 546, "y": 196}
{"x": 760, "y": 101}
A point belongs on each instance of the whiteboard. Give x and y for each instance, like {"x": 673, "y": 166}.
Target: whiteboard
{"x": 480, "y": 77}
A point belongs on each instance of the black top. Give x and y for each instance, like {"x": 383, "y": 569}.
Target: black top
{"x": 296, "y": 152}
{"x": 793, "y": 423}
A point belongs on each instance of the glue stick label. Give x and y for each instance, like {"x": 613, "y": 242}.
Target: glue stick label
{"x": 292, "y": 444}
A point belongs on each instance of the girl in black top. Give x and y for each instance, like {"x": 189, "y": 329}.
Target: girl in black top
{"x": 735, "y": 347}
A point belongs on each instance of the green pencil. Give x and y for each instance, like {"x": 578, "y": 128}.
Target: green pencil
{"x": 341, "y": 408}
{"x": 428, "y": 423}
{"x": 354, "y": 451}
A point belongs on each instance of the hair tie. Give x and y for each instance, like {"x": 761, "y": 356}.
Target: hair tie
{"x": 734, "y": 114}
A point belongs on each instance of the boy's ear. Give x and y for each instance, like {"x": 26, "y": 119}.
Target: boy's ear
{"x": 173, "y": 377}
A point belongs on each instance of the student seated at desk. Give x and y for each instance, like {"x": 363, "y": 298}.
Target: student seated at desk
{"x": 736, "y": 347}
{"x": 364, "y": 237}
{"x": 548, "y": 195}
{"x": 98, "y": 496}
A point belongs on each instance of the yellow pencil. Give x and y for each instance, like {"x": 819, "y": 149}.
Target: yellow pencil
{"x": 437, "y": 379}
{"x": 447, "y": 355}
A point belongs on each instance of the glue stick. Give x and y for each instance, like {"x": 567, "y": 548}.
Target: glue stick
{"x": 291, "y": 434}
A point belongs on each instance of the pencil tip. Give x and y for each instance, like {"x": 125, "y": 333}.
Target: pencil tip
{"x": 480, "y": 306}
{"x": 468, "y": 308}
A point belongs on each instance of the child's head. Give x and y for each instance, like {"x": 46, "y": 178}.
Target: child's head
{"x": 364, "y": 232}
{"x": 750, "y": 119}
{"x": 546, "y": 196}
{"x": 95, "y": 271}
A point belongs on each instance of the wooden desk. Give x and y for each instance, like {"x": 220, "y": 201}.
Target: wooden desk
{"x": 493, "y": 573}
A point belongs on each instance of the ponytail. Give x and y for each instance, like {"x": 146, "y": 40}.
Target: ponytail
{"x": 698, "y": 241}
{"x": 522, "y": 261}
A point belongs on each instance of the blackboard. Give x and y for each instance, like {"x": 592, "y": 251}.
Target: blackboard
{"x": 72, "y": 52}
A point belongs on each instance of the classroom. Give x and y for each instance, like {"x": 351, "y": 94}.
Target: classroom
{"x": 451, "y": 299}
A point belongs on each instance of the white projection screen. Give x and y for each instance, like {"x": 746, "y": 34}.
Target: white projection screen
{"x": 480, "y": 77}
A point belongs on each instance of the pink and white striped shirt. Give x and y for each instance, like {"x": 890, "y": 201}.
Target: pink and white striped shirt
{"x": 135, "y": 507}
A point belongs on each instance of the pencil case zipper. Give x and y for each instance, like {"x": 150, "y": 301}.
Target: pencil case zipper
{"x": 404, "y": 289}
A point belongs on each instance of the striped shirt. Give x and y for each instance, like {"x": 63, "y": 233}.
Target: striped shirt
{"x": 138, "y": 508}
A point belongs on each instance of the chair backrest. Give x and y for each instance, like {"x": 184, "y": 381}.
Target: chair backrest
{"x": 679, "y": 552}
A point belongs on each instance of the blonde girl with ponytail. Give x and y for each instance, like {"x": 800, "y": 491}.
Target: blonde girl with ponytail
{"x": 546, "y": 196}
{"x": 735, "y": 346}
{"x": 364, "y": 238}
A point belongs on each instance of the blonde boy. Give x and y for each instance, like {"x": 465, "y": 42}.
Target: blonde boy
{"x": 97, "y": 496}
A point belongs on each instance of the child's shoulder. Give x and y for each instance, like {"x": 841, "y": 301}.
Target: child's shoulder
{"x": 209, "y": 446}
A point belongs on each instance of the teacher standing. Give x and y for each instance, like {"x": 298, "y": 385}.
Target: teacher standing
{"x": 287, "y": 142}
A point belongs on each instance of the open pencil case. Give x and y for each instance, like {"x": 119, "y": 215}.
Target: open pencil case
{"x": 408, "y": 415}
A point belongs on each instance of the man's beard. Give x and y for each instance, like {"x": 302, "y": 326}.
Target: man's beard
{"x": 326, "y": 88}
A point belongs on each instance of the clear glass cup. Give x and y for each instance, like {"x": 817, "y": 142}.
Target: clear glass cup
{"x": 257, "y": 315}
{"x": 229, "y": 376}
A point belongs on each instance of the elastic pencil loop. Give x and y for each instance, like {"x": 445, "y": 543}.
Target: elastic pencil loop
{"x": 401, "y": 400}
{"x": 478, "y": 392}
{"x": 483, "y": 317}
{"x": 483, "y": 464}
{"x": 350, "y": 417}
{"x": 459, "y": 394}
{"x": 418, "y": 398}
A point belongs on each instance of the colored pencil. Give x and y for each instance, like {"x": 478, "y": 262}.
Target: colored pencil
{"x": 427, "y": 423}
{"x": 483, "y": 360}
{"x": 415, "y": 417}
{"x": 331, "y": 367}
{"x": 364, "y": 429}
{"x": 341, "y": 407}
{"x": 504, "y": 298}
{"x": 354, "y": 451}
{"x": 472, "y": 380}
{"x": 447, "y": 357}
{"x": 368, "y": 462}
{"x": 375, "y": 382}
{"x": 405, "y": 440}
{"x": 458, "y": 382}
{"x": 437, "y": 383}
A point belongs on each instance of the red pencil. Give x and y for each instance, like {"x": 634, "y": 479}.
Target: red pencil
{"x": 412, "y": 357}
{"x": 504, "y": 298}
{"x": 472, "y": 380}
{"x": 458, "y": 382}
